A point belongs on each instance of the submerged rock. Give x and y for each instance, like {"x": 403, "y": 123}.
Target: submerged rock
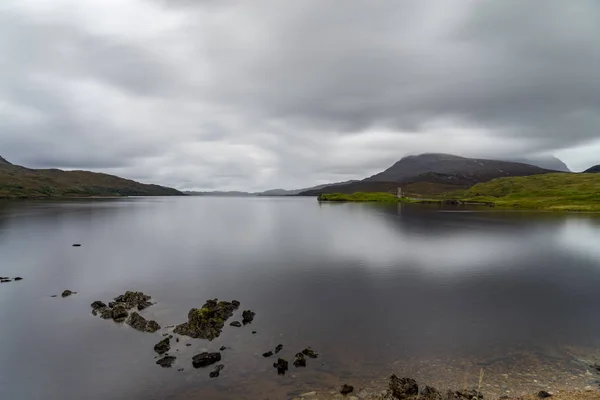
{"x": 300, "y": 361}
{"x": 247, "y": 316}
{"x": 18, "y": 278}
{"x": 76, "y": 245}
{"x": 236, "y": 324}
{"x": 281, "y": 365}
{"x": 268, "y": 354}
{"x": 235, "y": 304}
{"x": 346, "y": 389}
{"x": 278, "y": 348}
{"x": 67, "y": 293}
{"x": 140, "y": 323}
{"x": 308, "y": 352}
{"x": 223, "y": 348}
{"x": 163, "y": 346}
{"x": 144, "y": 305}
{"x": 217, "y": 371}
{"x": 208, "y": 321}
{"x": 5, "y": 280}
{"x": 205, "y": 359}
{"x": 167, "y": 362}
{"x": 105, "y": 313}
{"x": 401, "y": 388}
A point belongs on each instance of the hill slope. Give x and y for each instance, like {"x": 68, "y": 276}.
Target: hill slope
{"x": 547, "y": 162}
{"x": 593, "y": 170}
{"x": 569, "y": 192}
{"x": 17, "y": 181}
{"x": 431, "y": 174}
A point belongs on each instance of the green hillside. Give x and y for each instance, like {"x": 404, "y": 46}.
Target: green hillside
{"x": 18, "y": 182}
{"x": 560, "y": 191}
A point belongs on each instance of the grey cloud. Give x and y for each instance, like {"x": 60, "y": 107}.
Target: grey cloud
{"x": 253, "y": 95}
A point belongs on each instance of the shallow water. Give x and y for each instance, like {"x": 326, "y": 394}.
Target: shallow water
{"x": 371, "y": 288}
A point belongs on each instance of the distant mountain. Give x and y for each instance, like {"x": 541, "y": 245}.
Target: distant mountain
{"x": 547, "y": 162}
{"x": 594, "y": 169}
{"x": 283, "y": 192}
{"x": 17, "y": 181}
{"x": 219, "y": 193}
{"x": 434, "y": 173}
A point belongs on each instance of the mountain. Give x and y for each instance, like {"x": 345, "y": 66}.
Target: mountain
{"x": 434, "y": 174}
{"x": 219, "y": 193}
{"x": 547, "y": 162}
{"x": 293, "y": 192}
{"x": 17, "y": 181}
{"x": 594, "y": 169}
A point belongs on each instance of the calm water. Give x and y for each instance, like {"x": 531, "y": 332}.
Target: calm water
{"x": 365, "y": 286}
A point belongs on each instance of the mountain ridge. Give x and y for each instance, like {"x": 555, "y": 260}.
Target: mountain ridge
{"x": 21, "y": 182}
{"x": 593, "y": 170}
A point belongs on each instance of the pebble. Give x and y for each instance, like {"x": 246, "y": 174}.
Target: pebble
{"x": 308, "y": 394}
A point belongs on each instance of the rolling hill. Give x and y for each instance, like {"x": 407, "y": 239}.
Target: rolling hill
{"x": 17, "y": 181}
{"x": 593, "y": 170}
{"x": 432, "y": 174}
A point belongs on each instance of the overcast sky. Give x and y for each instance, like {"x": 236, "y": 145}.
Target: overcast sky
{"x": 252, "y": 95}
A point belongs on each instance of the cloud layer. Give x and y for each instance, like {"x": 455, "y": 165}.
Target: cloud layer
{"x": 254, "y": 95}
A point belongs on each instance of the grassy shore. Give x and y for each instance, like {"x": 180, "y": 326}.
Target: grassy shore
{"x": 550, "y": 192}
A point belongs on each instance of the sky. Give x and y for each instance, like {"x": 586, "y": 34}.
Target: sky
{"x": 256, "y": 94}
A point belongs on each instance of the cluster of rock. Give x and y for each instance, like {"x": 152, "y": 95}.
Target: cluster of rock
{"x": 6, "y": 279}
{"x": 208, "y": 322}
{"x": 408, "y": 389}
{"x": 118, "y": 310}
{"x": 300, "y": 362}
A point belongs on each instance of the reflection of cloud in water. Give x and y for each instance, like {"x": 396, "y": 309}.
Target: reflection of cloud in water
{"x": 582, "y": 237}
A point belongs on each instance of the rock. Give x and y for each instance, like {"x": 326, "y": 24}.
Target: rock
{"x": 163, "y": 346}
{"x": 140, "y": 323}
{"x": 76, "y": 245}
{"x": 236, "y": 324}
{"x": 254, "y": 332}
{"x": 346, "y": 389}
{"x": 430, "y": 393}
{"x": 223, "y": 348}
{"x": 464, "y": 395}
{"x": 208, "y": 321}
{"x": 188, "y": 344}
{"x": 247, "y": 316}
{"x": 281, "y": 365}
{"x": 5, "y": 280}
{"x": 402, "y": 388}
{"x": 119, "y": 313}
{"x": 308, "y": 394}
{"x": 235, "y": 304}
{"x": 205, "y": 359}
{"x": 167, "y": 361}
{"x": 543, "y": 394}
{"x": 18, "y": 278}
{"x": 278, "y": 348}
{"x": 54, "y": 295}
{"x": 130, "y": 300}
{"x": 308, "y": 352}
{"x": 98, "y": 304}
{"x": 67, "y": 293}
{"x": 268, "y": 354}
{"x": 217, "y": 371}
{"x": 143, "y": 305}
{"x": 112, "y": 304}
{"x": 300, "y": 361}
{"x": 105, "y": 313}
{"x": 177, "y": 340}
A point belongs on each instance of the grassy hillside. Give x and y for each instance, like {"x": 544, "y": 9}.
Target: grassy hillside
{"x": 359, "y": 197}
{"x": 560, "y": 191}
{"x": 16, "y": 181}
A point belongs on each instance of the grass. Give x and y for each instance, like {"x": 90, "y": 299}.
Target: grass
{"x": 376, "y": 197}
{"x": 550, "y": 192}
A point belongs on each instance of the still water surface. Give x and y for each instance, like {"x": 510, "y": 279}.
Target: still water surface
{"x": 371, "y": 288}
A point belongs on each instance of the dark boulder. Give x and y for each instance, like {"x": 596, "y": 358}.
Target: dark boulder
{"x": 120, "y": 313}
{"x": 346, "y": 389}
{"x": 140, "y": 323}
{"x": 544, "y": 395}
{"x": 18, "y": 278}
{"x": 471, "y": 394}
{"x": 205, "y": 359}
{"x": 167, "y": 362}
{"x": 268, "y": 354}
{"x": 223, "y": 348}
{"x": 247, "y": 316}
{"x": 215, "y": 373}
{"x": 76, "y": 245}
{"x": 67, "y": 293}
{"x": 236, "y": 324}
{"x": 208, "y": 321}
{"x": 430, "y": 393}
{"x": 143, "y": 305}
{"x": 98, "y": 304}
{"x": 105, "y": 313}
{"x": 235, "y": 304}
{"x": 308, "y": 352}
{"x": 278, "y": 348}
{"x": 6, "y": 280}
{"x": 163, "y": 346}
{"x": 131, "y": 299}
{"x": 281, "y": 365}
{"x": 402, "y": 388}
{"x": 300, "y": 361}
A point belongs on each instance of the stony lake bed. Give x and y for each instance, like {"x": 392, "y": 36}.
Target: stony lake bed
{"x": 455, "y": 299}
